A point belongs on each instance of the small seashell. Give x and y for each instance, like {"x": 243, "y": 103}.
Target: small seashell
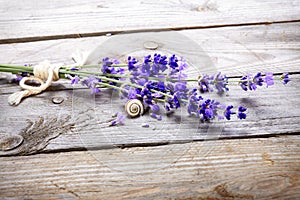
{"x": 10, "y": 142}
{"x": 134, "y": 107}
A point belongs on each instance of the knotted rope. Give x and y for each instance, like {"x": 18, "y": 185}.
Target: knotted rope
{"x": 42, "y": 72}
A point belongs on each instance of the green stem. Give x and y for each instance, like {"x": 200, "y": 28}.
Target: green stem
{"x": 15, "y": 68}
{"x": 120, "y": 65}
{"x": 14, "y": 71}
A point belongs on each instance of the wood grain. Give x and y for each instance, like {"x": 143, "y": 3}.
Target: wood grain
{"x": 232, "y": 50}
{"x": 227, "y": 169}
{"x": 37, "y": 20}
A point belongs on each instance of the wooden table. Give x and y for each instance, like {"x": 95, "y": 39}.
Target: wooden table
{"x": 70, "y": 152}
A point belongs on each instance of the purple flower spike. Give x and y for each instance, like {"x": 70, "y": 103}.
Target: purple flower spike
{"x": 204, "y": 83}
{"x": 160, "y": 62}
{"x": 208, "y": 109}
{"x": 247, "y": 82}
{"x": 75, "y": 80}
{"x": 244, "y": 82}
{"x": 269, "y": 79}
{"x": 173, "y": 62}
{"x": 132, "y": 93}
{"x": 74, "y": 69}
{"x": 20, "y": 76}
{"x": 156, "y": 116}
{"x": 221, "y": 82}
{"x": 95, "y": 90}
{"x": 132, "y": 63}
{"x": 241, "y": 114}
{"x": 228, "y": 112}
{"x": 119, "y": 120}
{"x": 258, "y": 79}
{"x": 91, "y": 82}
{"x": 155, "y": 112}
{"x": 285, "y": 78}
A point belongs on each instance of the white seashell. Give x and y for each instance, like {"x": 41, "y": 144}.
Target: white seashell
{"x": 134, "y": 107}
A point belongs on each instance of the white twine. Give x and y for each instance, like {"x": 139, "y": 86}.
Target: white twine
{"x": 42, "y": 72}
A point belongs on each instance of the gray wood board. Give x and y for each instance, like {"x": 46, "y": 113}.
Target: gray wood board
{"x": 51, "y": 19}
{"x": 261, "y": 168}
{"x": 231, "y": 50}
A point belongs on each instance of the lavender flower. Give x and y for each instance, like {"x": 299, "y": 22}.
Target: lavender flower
{"x": 258, "y": 79}
{"x": 74, "y": 68}
{"x": 241, "y": 114}
{"x": 160, "y": 62}
{"x": 204, "y": 83}
{"x": 285, "y": 78}
{"x": 107, "y": 67}
{"x": 171, "y": 87}
{"x": 269, "y": 79}
{"x": 20, "y": 76}
{"x": 74, "y": 79}
{"x": 193, "y": 102}
{"x": 173, "y": 62}
{"x": 221, "y": 82}
{"x": 132, "y": 63}
{"x": 247, "y": 82}
{"x": 155, "y": 112}
{"x": 147, "y": 96}
{"x": 119, "y": 119}
{"x": 177, "y": 67}
{"x": 204, "y": 109}
{"x": 160, "y": 79}
{"x": 92, "y": 83}
{"x": 244, "y": 81}
{"x": 228, "y": 112}
{"x": 132, "y": 93}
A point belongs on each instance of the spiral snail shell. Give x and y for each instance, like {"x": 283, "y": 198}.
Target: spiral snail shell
{"x": 134, "y": 107}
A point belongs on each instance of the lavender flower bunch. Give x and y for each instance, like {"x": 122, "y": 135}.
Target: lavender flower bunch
{"x": 159, "y": 83}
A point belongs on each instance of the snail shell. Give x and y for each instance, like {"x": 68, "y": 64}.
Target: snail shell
{"x": 134, "y": 107}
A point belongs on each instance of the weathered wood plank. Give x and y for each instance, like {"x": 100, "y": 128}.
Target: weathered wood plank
{"x": 266, "y": 168}
{"x": 232, "y": 50}
{"x": 275, "y": 110}
{"x": 40, "y": 19}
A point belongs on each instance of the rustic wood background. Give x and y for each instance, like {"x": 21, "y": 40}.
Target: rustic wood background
{"x": 70, "y": 152}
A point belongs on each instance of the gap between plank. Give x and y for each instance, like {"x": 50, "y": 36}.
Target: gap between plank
{"x": 127, "y": 146}
{"x": 95, "y": 34}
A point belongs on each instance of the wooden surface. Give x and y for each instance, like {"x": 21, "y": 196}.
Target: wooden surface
{"x": 70, "y": 152}
{"x": 262, "y": 168}
{"x": 28, "y": 19}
